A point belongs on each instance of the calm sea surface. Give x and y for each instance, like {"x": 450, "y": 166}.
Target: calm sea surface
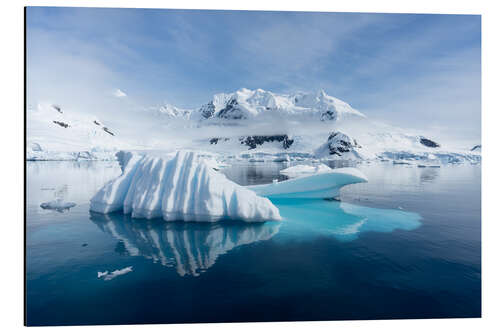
{"x": 405, "y": 245}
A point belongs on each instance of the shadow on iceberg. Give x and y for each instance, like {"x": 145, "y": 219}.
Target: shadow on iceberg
{"x": 304, "y": 218}
{"x": 191, "y": 248}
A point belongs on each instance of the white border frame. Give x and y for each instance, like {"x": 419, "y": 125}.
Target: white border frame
{"x": 12, "y": 88}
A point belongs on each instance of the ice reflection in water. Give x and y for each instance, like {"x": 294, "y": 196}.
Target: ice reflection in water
{"x": 192, "y": 248}
{"x": 189, "y": 247}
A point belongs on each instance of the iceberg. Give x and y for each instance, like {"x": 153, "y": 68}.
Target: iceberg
{"x": 323, "y": 185}
{"x": 301, "y": 169}
{"x": 180, "y": 188}
{"x": 58, "y": 205}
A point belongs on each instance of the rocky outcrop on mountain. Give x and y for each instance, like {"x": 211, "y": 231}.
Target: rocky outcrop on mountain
{"x": 105, "y": 129}
{"x": 214, "y": 141}
{"x": 60, "y": 123}
{"x": 257, "y": 140}
{"x": 57, "y": 108}
{"x": 207, "y": 110}
{"x": 476, "y": 148}
{"x": 428, "y": 143}
{"x": 232, "y": 110}
{"x": 339, "y": 143}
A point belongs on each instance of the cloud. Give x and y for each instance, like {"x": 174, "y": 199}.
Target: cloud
{"x": 413, "y": 70}
{"x": 118, "y": 93}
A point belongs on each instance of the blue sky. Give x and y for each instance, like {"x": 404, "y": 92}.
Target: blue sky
{"x": 419, "y": 71}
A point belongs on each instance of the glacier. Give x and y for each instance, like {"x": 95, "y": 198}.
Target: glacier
{"x": 179, "y": 188}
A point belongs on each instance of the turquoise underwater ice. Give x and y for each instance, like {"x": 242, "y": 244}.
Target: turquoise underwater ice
{"x": 304, "y": 218}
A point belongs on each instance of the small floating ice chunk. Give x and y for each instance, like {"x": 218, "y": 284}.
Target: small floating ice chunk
{"x": 58, "y": 205}
{"x": 182, "y": 188}
{"x": 106, "y": 276}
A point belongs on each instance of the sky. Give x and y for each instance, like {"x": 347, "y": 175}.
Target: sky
{"x": 415, "y": 71}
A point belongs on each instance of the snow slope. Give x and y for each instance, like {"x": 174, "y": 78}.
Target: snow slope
{"x": 182, "y": 188}
{"x": 54, "y": 133}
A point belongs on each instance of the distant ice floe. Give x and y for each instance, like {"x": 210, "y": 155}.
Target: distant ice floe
{"x": 58, "y": 205}
{"x": 182, "y": 188}
{"x": 70, "y": 155}
{"x": 339, "y": 145}
{"x": 35, "y": 152}
{"x": 106, "y": 276}
{"x": 429, "y": 159}
{"x": 301, "y": 170}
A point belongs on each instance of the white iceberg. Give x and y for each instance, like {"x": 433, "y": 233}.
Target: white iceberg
{"x": 182, "y": 188}
{"x": 326, "y": 184}
{"x": 58, "y": 205}
{"x": 301, "y": 169}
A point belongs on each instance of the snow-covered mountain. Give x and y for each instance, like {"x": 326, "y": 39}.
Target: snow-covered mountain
{"x": 170, "y": 111}
{"x": 248, "y": 104}
{"x": 246, "y": 123}
{"x": 255, "y": 105}
{"x": 54, "y": 133}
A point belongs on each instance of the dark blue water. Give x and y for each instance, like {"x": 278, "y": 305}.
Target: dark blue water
{"x": 405, "y": 245}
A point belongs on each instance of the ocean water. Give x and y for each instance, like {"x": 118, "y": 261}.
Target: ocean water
{"x": 407, "y": 244}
